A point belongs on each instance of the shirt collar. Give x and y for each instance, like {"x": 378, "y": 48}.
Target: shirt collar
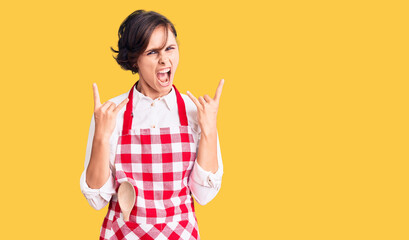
{"x": 170, "y": 98}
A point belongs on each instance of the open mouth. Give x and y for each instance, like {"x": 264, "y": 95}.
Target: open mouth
{"x": 164, "y": 77}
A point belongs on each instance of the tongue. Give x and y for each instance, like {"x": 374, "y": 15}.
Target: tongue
{"x": 162, "y": 76}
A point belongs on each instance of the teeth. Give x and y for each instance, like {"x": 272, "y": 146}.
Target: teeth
{"x": 165, "y": 71}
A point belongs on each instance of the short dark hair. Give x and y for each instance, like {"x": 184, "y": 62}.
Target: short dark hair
{"x": 134, "y": 34}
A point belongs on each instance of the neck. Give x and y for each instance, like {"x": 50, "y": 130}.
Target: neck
{"x": 148, "y": 91}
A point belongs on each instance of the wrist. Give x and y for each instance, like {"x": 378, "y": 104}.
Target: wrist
{"x": 209, "y": 134}
{"x": 101, "y": 137}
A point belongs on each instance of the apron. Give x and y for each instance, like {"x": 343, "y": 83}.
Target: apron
{"x": 158, "y": 163}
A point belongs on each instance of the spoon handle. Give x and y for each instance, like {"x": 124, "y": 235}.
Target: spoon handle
{"x": 126, "y": 215}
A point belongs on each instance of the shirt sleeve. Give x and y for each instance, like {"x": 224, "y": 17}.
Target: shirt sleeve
{"x": 205, "y": 185}
{"x": 97, "y": 198}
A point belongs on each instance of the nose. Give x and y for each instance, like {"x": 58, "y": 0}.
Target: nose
{"x": 163, "y": 59}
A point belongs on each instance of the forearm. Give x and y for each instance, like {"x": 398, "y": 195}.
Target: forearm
{"x": 207, "y": 152}
{"x": 98, "y": 168}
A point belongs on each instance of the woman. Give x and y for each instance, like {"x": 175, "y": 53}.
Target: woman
{"x": 163, "y": 142}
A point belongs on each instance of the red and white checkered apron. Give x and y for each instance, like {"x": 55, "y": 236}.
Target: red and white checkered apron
{"x": 158, "y": 162}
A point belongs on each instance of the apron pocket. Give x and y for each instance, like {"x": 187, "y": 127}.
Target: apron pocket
{"x": 132, "y": 230}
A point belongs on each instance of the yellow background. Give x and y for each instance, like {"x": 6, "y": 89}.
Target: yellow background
{"x": 313, "y": 120}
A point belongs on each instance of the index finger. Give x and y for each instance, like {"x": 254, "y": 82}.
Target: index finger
{"x": 219, "y": 90}
{"x": 97, "y": 101}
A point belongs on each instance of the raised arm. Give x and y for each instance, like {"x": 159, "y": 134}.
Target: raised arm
{"x": 105, "y": 120}
{"x": 208, "y": 169}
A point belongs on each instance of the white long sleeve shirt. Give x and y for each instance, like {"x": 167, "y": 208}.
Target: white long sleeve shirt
{"x": 148, "y": 113}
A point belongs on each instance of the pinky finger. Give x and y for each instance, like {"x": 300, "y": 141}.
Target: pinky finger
{"x": 194, "y": 99}
{"x": 121, "y": 105}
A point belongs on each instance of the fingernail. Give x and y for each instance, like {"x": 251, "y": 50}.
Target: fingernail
{"x": 187, "y": 91}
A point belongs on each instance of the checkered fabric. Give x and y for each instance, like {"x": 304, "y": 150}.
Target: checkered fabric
{"x": 158, "y": 163}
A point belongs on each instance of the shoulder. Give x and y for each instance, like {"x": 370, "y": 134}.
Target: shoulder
{"x": 189, "y": 104}
{"x": 191, "y": 112}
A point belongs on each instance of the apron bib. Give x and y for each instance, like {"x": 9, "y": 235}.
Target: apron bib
{"x": 157, "y": 162}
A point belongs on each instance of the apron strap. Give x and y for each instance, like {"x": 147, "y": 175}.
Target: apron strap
{"x": 181, "y": 107}
{"x": 128, "y": 115}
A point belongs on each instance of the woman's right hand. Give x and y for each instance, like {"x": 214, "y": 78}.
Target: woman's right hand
{"x": 105, "y": 115}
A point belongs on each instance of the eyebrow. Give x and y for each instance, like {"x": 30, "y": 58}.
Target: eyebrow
{"x": 158, "y": 48}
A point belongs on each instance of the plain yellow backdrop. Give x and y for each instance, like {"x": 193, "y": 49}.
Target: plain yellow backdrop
{"x": 313, "y": 119}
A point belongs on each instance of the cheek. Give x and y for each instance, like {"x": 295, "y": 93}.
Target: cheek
{"x": 146, "y": 66}
{"x": 175, "y": 58}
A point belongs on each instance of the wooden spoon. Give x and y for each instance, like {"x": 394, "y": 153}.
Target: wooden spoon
{"x": 126, "y": 198}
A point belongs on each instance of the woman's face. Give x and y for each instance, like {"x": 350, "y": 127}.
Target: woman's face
{"x": 153, "y": 61}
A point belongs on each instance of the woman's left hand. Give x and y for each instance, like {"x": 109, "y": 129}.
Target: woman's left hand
{"x": 207, "y": 108}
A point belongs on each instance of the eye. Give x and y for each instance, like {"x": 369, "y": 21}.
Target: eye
{"x": 169, "y": 48}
